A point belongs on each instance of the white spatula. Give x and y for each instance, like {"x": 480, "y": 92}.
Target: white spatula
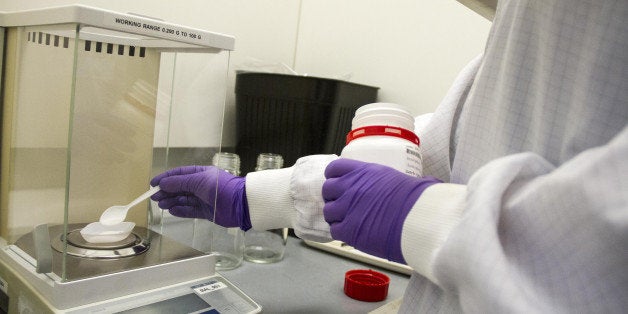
{"x": 117, "y": 213}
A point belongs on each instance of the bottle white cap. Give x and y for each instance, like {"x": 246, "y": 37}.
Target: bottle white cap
{"x": 386, "y": 114}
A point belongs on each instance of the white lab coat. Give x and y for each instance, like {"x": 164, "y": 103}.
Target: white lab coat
{"x": 532, "y": 139}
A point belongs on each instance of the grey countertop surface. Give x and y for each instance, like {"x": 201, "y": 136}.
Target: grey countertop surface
{"x": 308, "y": 280}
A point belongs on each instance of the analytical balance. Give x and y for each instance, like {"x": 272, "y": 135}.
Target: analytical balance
{"x": 95, "y": 103}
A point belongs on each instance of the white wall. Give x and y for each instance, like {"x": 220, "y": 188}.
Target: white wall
{"x": 411, "y": 49}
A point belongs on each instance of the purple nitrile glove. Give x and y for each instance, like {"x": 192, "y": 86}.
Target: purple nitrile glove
{"x": 191, "y": 191}
{"x": 366, "y": 205}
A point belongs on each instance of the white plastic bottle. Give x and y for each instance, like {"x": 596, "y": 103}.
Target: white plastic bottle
{"x": 383, "y": 133}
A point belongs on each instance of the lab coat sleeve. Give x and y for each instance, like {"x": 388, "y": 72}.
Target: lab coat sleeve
{"x": 269, "y": 200}
{"x": 524, "y": 234}
{"x": 290, "y": 197}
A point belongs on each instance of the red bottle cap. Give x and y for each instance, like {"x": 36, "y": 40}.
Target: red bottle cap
{"x": 366, "y": 285}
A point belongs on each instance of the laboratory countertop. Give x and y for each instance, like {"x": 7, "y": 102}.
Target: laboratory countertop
{"x": 308, "y": 280}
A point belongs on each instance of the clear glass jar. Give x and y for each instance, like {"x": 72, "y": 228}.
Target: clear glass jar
{"x": 227, "y": 244}
{"x": 266, "y": 246}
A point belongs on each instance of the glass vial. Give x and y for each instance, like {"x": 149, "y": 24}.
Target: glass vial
{"x": 266, "y": 246}
{"x": 227, "y": 244}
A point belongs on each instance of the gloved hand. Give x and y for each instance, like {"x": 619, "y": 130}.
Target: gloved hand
{"x": 191, "y": 191}
{"x": 366, "y": 205}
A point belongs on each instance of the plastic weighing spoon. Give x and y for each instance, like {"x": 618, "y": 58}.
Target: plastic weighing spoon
{"x": 117, "y": 213}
